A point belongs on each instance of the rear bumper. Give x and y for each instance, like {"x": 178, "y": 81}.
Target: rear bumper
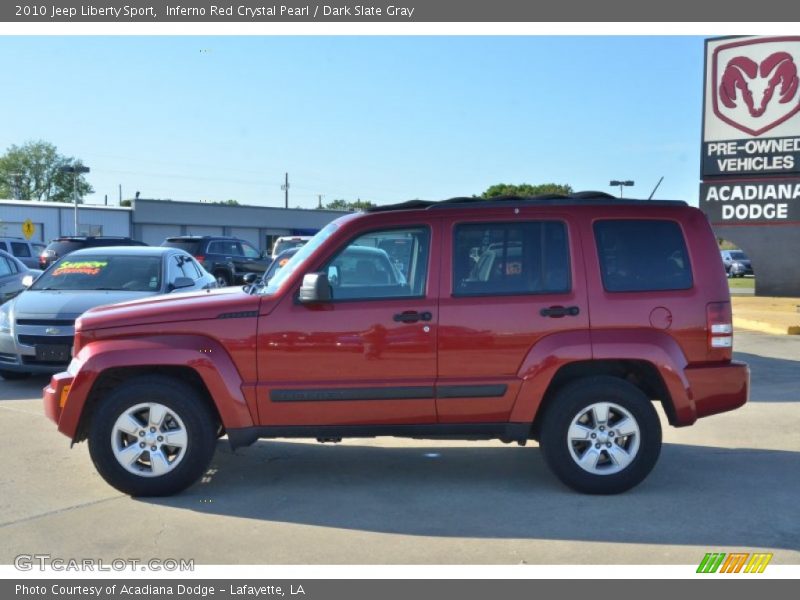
{"x": 716, "y": 389}
{"x": 55, "y": 395}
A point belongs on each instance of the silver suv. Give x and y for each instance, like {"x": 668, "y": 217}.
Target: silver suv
{"x": 22, "y": 249}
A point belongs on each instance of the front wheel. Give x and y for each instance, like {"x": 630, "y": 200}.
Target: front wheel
{"x": 601, "y": 435}
{"x": 152, "y": 436}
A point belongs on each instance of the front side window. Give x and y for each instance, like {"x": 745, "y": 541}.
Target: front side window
{"x": 365, "y": 270}
{"x": 642, "y": 255}
{"x": 250, "y": 252}
{"x": 510, "y": 258}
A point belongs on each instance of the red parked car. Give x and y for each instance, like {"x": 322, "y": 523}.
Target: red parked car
{"x": 562, "y": 320}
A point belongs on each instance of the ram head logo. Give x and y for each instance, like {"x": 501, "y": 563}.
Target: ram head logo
{"x": 756, "y": 89}
{"x": 753, "y": 81}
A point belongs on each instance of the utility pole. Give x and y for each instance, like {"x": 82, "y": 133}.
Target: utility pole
{"x": 285, "y": 188}
{"x": 120, "y": 194}
{"x": 319, "y": 205}
{"x": 77, "y": 170}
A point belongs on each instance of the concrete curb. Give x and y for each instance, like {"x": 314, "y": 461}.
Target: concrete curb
{"x": 765, "y": 327}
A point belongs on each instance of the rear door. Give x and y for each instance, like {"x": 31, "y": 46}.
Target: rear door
{"x": 510, "y": 278}
{"x": 369, "y": 355}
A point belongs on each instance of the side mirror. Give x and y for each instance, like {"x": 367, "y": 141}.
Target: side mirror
{"x": 250, "y": 278}
{"x": 315, "y": 289}
{"x": 181, "y": 282}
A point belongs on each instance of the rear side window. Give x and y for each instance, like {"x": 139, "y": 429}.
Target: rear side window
{"x": 20, "y": 249}
{"x": 64, "y": 247}
{"x": 511, "y": 258}
{"x": 642, "y": 256}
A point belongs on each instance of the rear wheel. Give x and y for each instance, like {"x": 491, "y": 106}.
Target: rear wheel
{"x": 152, "y": 436}
{"x": 601, "y": 435}
{"x": 13, "y": 375}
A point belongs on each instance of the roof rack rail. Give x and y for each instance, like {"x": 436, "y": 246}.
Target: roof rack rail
{"x": 587, "y": 197}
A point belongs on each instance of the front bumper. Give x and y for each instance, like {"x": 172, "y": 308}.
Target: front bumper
{"x": 55, "y": 394}
{"x": 716, "y": 389}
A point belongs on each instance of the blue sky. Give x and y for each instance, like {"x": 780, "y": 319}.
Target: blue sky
{"x": 380, "y": 118}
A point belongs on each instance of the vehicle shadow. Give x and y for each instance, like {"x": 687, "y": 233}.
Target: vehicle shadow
{"x": 772, "y": 379}
{"x": 696, "y": 495}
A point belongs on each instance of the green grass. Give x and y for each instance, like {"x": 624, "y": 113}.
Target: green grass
{"x": 743, "y": 282}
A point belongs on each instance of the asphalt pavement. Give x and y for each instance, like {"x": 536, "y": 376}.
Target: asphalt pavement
{"x": 728, "y": 483}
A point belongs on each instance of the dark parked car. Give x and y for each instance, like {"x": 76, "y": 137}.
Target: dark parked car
{"x": 36, "y": 327}
{"x": 62, "y": 246}
{"x": 14, "y": 276}
{"x": 228, "y": 259}
{"x": 479, "y": 328}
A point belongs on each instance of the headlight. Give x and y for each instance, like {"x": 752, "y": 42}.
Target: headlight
{"x": 5, "y": 318}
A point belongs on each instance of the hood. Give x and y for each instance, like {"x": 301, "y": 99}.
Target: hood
{"x": 189, "y": 306}
{"x": 67, "y": 304}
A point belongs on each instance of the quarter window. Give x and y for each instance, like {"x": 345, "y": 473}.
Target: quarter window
{"x": 511, "y": 258}
{"x": 642, "y": 255}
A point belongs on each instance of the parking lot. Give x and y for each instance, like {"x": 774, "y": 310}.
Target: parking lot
{"x": 729, "y": 483}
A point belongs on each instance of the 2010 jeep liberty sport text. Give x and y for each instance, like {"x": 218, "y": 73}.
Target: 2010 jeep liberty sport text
{"x": 561, "y": 319}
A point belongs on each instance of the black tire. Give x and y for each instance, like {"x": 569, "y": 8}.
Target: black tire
{"x": 575, "y": 398}
{"x": 13, "y": 375}
{"x": 182, "y": 400}
{"x": 223, "y": 278}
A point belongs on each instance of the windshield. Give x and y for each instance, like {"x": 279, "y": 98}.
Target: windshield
{"x": 738, "y": 256}
{"x": 103, "y": 272}
{"x": 298, "y": 259}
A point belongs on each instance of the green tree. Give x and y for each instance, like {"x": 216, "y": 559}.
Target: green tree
{"x": 351, "y": 205}
{"x": 230, "y": 202}
{"x": 526, "y": 189}
{"x": 33, "y": 172}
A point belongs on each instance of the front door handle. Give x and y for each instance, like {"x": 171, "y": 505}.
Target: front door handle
{"x": 412, "y": 316}
{"x": 556, "y": 312}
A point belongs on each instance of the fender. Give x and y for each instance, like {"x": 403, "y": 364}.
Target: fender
{"x": 207, "y": 357}
{"x": 555, "y": 351}
{"x": 541, "y": 364}
{"x": 657, "y": 348}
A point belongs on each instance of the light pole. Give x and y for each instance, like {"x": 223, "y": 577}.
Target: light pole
{"x": 621, "y": 183}
{"x": 75, "y": 170}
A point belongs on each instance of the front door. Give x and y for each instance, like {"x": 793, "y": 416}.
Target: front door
{"x": 369, "y": 355}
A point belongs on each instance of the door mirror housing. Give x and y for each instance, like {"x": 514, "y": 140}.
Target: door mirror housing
{"x": 250, "y": 278}
{"x": 181, "y": 282}
{"x": 315, "y": 289}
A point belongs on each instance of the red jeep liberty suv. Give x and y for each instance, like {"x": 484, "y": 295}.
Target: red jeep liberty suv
{"x": 558, "y": 319}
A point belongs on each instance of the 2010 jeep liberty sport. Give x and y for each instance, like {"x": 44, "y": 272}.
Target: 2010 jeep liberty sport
{"x": 562, "y": 320}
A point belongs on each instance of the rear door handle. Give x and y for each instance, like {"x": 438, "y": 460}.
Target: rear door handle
{"x": 556, "y": 312}
{"x": 412, "y": 316}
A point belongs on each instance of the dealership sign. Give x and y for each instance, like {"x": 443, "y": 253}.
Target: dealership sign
{"x": 751, "y": 129}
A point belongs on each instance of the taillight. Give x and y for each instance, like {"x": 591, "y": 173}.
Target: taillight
{"x": 201, "y": 259}
{"x": 719, "y": 323}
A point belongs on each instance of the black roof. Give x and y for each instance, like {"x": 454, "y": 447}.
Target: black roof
{"x": 577, "y": 198}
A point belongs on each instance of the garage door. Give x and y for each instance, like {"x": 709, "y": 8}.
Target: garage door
{"x": 203, "y": 230}
{"x": 155, "y": 234}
